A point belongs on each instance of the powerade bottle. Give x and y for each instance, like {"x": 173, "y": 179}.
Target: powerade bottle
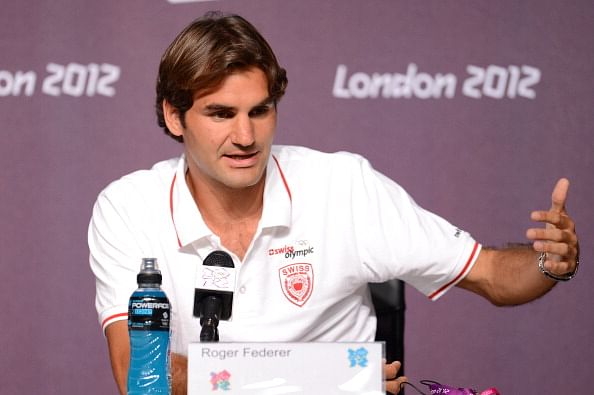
{"x": 148, "y": 326}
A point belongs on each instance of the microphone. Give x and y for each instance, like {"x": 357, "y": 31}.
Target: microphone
{"x": 213, "y": 293}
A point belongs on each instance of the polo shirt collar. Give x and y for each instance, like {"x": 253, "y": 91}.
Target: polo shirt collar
{"x": 277, "y": 197}
{"x": 188, "y": 221}
{"x": 186, "y": 217}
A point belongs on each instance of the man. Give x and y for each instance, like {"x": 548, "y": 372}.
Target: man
{"x": 281, "y": 211}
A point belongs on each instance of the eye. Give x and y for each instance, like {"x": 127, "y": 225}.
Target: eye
{"x": 222, "y": 114}
{"x": 260, "y": 111}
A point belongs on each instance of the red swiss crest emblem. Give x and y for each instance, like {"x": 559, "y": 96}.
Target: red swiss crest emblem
{"x": 297, "y": 282}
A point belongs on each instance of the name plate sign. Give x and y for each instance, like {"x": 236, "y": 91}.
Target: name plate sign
{"x": 286, "y": 368}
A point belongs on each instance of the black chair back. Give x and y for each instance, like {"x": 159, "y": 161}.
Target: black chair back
{"x": 388, "y": 300}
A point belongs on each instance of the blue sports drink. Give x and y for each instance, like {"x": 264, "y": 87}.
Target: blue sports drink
{"x": 148, "y": 327}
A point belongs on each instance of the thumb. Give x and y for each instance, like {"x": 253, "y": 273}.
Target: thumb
{"x": 559, "y": 196}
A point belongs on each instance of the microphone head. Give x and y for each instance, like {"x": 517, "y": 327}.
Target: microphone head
{"x": 215, "y": 277}
{"x": 218, "y": 258}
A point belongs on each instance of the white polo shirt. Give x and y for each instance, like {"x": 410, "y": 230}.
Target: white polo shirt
{"x": 330, "y": 224}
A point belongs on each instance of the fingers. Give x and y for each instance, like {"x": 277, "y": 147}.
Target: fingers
{"x": 559, "y": 235}
{"x": 563, "y": 250}
{"x": 558, "y": 239}
{"x": 393, "y": 386}
{"x": 392, "y": 383}
{"x": 553, "y": 241}
{"x": 553, "y": 234}
{"x": 559, "y": 196}
{"x": 559, "y": 220}
{"x": 391, "y": 370}
{"x": 559, "y": 268}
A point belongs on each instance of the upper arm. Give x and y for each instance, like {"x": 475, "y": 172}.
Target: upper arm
{"x": 118, "y": 343}
{"x": 115, "y": 254}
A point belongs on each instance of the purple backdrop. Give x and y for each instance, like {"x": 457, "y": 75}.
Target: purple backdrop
{"x": 475, "y": 107}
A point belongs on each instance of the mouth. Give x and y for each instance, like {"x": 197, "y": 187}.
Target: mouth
{"x": 242, "y": 160}
{"x": 241, "y": 156}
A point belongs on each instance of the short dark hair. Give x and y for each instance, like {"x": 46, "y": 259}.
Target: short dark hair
{"x": 204, "y": 54}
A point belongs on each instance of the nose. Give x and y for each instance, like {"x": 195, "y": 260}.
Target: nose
{"x": 243, "y": 131}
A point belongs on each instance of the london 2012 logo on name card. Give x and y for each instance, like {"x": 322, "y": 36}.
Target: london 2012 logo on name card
{"x": 297, "y": 282}
{"x": 220, "y": 381}
{"x": 358, "y": 357}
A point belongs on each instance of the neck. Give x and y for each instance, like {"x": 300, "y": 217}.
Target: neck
{"x": 220, "y": 204}
{"x": 232, "y": 214}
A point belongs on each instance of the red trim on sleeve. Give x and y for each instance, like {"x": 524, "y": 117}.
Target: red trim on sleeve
{"x": 283, "y": 177}
{"x": 111, "y": 317}
{"x": 464, "y": 269}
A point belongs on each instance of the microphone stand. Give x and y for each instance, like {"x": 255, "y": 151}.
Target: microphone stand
{"x": 213, "y": 301}
{"x": 210, "y": 312}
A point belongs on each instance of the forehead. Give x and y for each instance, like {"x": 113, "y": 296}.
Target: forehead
{"x": 244, "y": 86}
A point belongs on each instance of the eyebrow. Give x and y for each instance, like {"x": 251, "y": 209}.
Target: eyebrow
{"x": 218, "y": 107}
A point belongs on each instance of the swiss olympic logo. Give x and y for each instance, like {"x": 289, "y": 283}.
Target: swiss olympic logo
{"x": 297, "y": 282}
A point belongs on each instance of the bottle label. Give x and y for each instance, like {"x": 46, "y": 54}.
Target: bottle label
{"x": 148, "y": 313}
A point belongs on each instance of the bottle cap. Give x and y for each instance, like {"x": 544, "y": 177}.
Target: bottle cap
{"x": 149, "y": 272}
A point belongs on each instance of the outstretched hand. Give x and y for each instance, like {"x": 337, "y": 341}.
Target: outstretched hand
{"x": 558, "y": 238}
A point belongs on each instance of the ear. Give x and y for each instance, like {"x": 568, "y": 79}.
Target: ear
{"x": 172, "y": 120}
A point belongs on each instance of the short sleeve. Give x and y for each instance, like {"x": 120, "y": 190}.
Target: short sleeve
{"x": 114, "y": 258}
{"x": 400, "y": 239}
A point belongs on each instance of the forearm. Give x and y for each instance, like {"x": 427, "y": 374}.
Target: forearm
{"x": 508, "y": 276}
{"x": 179, "y": 374}
{"x": 119, "y": 353}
